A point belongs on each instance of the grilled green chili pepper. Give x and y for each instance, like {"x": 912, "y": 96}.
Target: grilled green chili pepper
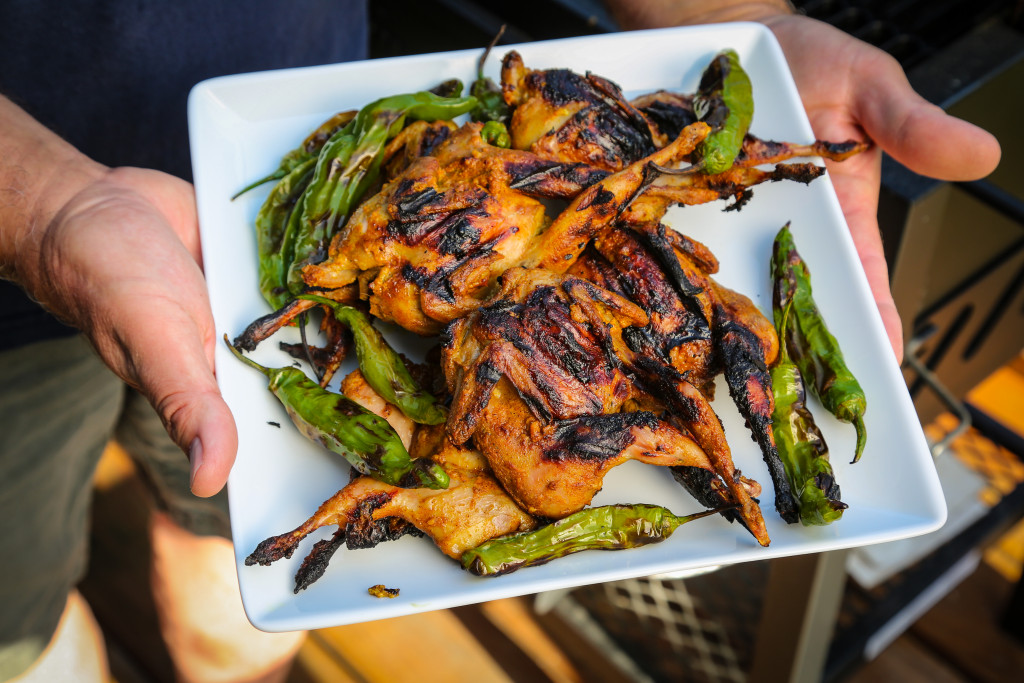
{"x": 450, "y": 88}
{"x": 350, "y": 163}
{"x": 725, "y": 101}
{"x": 383, "y": 368}
{"x": 324, "y": 206}
{"x": 491, "y": 102}
{"x": 813, "y": 348}
{"x": 276, "y": 223}
{"x": 344, "y": 427}
{"x": 309, "y": 149}
{"x": 495, "y": 133}
{"x": 801, "y": 445}
{"x": 611, "y": 527}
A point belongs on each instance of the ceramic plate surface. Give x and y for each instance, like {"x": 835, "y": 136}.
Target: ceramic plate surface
{"x": 241, "y": 125}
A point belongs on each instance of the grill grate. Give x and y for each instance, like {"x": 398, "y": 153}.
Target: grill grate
{"x": 909, "y": 30}
{"x": 699, "y": 630}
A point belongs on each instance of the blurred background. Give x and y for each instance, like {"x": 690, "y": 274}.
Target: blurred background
{"x": 945, "y": 607}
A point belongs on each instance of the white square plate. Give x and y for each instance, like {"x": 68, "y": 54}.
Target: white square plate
{"x": 241, "y": 125}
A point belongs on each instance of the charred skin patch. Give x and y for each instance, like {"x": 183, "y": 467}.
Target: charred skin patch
{"x": 553, "y": 179}
{"x": 596, "y": 197}
{"x": 458, "y": 235}
{"x": 706, "y": 487}
{"x": 659, "y": 285}
{"x": 595, "y": 437}
{"x": 644, "y": 342}
{"x": 712, "y": 86}
{"x": 487, "y": 374}
{"x": 432, "y": 138}
{"x": 315, "y": 563}
{"x": 756, "y": 148}
{"x": 665, "y": 256}
{"x": 265, "y": 326}
{"x": 560, "y": 87}
{"x": 416, "y": 227}
{"x": 616, "y": 141}
{"x": 642, "y": 276}
{"x": 273, "y": 549}
{"x": 549, "y": 320}
{"x": 411, "y": 203}
{"x": 669, "y": 117}
{"x": 594, "y": 267}
{"x": 542, "y": 327}
{"x": 436, "y": 284}
{"x": 750, "y": 387}
{"x": 842, "y": 149}
{"x": 801, "y": 173}
{"x": 363, "y": 531}
{"x": 563, "y": 357}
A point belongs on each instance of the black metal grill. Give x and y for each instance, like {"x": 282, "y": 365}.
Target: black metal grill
{"x": 910, "y": 30}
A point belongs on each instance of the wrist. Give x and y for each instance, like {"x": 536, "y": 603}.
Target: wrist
{"x": 39, "y": 174}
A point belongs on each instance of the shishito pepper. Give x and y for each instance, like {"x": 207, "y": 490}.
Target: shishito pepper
{"x": 801, "y": 445}
{"x": 495, "y": 133}
{"x": 350, "y": 163}
{"x": 276, "y": 224}
{"x": 382, "y": 367}
{"x": 309, "y": 149}
{"x": 812, "y": 347}
{"x": 610, "y": 527}
{"x": 344, "y": 427}
{"x": 725, "y": 101}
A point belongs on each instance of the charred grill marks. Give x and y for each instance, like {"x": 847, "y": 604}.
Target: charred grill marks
{"x": 436, "y": 284}
{"x": 669, "y": 117}
{"x": 595, "y": 437}
{"x": 458, "y": 235}
{"x": 552, "y": 179}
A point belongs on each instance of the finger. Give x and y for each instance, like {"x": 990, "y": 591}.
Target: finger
{"x": 916, "y": 133}
{"x": 856, "y": 187}
{"x": 174, "y": 372}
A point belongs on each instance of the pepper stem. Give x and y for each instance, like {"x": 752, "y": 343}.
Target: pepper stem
{"x": 276, "y": 175}
{"x": 483, "y": 57}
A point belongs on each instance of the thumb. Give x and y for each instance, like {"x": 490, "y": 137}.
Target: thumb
{"x": 175, "y": 372}
{"x": 918, "y": 134}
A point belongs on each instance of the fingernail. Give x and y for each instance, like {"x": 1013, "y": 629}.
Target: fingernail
{"x": 195, "y": 456}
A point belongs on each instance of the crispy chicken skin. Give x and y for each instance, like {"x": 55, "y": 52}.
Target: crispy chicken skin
{"x": 559, "y": 114}
{"x": 697, "y": 327}
{"x": 424, "y": 247}
{"x": 428, "y": 247}
{"x": 680, "y": 308}
{"x": 473, "y": 509}
{"x": 541, "y": 376}
{"x": 565, "y": 116}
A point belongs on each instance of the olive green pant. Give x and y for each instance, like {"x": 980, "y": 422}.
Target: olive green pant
{"x": 59, "y": 406}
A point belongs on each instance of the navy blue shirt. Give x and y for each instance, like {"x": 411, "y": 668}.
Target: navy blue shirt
{"x": 112, "y": 78}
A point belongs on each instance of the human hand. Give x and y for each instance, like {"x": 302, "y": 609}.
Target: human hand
{"x": 850, "y": 90}
{"x": 853, "y": 90}
{"x": 120, "y": 260}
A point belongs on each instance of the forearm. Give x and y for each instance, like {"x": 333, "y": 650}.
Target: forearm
{"x": 39, "y": 173}
{"x": 638, "y": 14}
